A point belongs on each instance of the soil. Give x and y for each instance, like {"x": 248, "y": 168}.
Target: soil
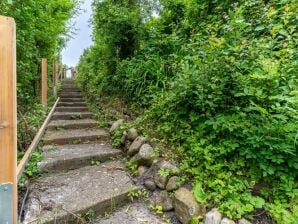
{"x": 262, "y": 217}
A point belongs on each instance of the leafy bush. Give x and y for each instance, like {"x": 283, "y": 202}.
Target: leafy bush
{"x": 218, "y": 80}
{"x": 42, "y": 31}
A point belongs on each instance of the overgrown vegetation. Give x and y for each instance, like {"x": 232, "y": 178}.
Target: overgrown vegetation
{"x": 42, "y": 30}
{"x": 218, "y": 81}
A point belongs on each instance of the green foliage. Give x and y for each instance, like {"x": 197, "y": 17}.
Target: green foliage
{"x": 89, "y": 216}
{"x": 132, "y": 166}
{"x": 95, "y": 162}
{"x": 135, "y": 193}
{"x": 199, "y": 193}
{"x": 218, "y": 80}
{"x": 156, "y": 209}
{"x": 164, "y": 172}
{"x": 31, "y": 170}
{"x": 42, "y": 29}
{"x": 28, "y": 125}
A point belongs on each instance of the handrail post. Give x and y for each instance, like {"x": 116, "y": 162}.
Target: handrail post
{"x": 44, "y": 82}
{"x": 55, "y": 74}
{"x": 8, "y": 121}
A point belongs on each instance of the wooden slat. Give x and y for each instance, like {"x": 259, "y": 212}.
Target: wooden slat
{"x": 44, "y": 82}
{"x": 8, "y": 107}
{"x": 22, "y": 164}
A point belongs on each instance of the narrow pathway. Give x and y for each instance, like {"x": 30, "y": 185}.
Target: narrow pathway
{"x": 81, "y": 172}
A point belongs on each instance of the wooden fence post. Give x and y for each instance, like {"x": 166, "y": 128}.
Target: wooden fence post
{"x": 8, "y": 121}
{"x": 55, "y": 74}
{"x": 63, "y": 73}
{"x": 44, "y": 82}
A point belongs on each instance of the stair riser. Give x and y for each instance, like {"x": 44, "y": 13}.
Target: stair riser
{"x": 70, "y": 117}
{"x": 77, "y": 95}
{"x": 72, "y": 109}
{"x": 100, "y": 209}
{"x": 75, "y": 140}
{"x": 78, "y": 104}
{"x": 69, "y": 92}
{"x": 70, "y": 100}
{"x": 75, "y": 91}
{"x": 71, "y": 164}
{"x": 72, "y": 126}
{"x": 68, "y": 87}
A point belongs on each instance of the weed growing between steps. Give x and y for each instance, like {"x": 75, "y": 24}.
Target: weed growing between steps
{"x": 143, "y": 194}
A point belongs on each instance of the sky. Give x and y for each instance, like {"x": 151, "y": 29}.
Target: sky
{"x": 82, "y": 38}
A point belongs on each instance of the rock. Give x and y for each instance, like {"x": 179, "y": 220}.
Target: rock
{"x": 186, "y": 206}
{"x": 132, "y": 134}
{"x": 127, "y": 117}
{"x": 161, "y": 180}
{"x": 145, "y": 156}
{"x": 172, "y": 168}
{"x": 142, "y": 170}
{"x": 150, "y": 185}
{"x": 244, "y": 221}
{"x": 227, "y": 221}
{"x": 213, "y": 217}
{"x": 163, "y": 199}
{"x": 127, "y": 145}
{"x": 136, "y": 145}
{"x": 116, "y": 125}
{"x": 173, "y": 183}
{"x": 123, "y": 138}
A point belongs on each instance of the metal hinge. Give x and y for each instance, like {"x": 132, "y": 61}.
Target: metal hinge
{"x": 6, "y": 203}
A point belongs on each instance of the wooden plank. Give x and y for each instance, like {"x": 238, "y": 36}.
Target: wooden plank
{"x": 44, "y": 82}
{"x": 8, "y": 108}
{"x": 22, "y": 164}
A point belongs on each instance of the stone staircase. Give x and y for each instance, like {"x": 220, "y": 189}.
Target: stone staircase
{"x": 80, "y": 170}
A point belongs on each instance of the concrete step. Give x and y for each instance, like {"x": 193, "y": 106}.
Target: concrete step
{"x": 60, "y": 197}
{"x": 71, "y": 115}
{"x": 68, "y": 157}
{"x": 71, "y": 104}
{"x": 68, "y": 86}
{"x": 70, "y": 95}
{"x": 72, "y": 124}
{"x": 134, "y": 213}
{"x": 72, "y": 99}
{"x": 75, "y": 136}
{"x": 71, "y": 109}
{"x": 66, "y": 91}
{"x": 70, "y": 89}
